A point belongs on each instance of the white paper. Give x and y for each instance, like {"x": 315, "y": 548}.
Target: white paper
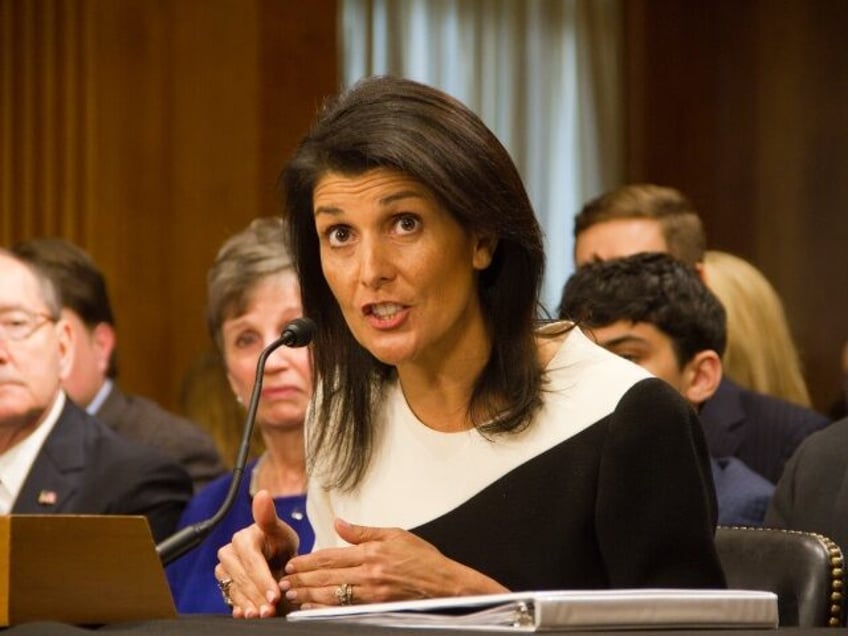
{"x": 569, "y": 609}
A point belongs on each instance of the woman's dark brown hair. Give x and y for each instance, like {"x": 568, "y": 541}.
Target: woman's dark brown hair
{"x": 399, "y": 124}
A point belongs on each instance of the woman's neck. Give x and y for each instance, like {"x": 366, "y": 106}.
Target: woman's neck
{"x": 439, "y": 393}
{"x": 282, "y": 467}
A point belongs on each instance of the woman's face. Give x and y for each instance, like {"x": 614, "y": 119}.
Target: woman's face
{"x": 287, "y": 383}
{"x": 401, "y": 268}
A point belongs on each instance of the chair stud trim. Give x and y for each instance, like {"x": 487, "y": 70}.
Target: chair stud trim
{"x": 836, "y": 574}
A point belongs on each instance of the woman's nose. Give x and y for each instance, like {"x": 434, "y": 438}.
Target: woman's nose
{"x": 376, "y": 265}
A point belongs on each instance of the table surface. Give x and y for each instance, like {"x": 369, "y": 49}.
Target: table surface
{"x": 224, "y": 625}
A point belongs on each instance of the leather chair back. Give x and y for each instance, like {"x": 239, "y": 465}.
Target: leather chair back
{"x": 804, "y": 569}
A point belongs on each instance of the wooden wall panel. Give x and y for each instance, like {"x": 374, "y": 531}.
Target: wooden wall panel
{"x": 45, "y": 119}
{"x": 741, "y": 104}
{"x": 148, "y": 131}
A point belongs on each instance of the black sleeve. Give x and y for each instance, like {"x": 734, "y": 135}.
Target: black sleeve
{"x": 656, "y": 501}
{"x": 779, "y": 513}
{"x": 811, "y": 493}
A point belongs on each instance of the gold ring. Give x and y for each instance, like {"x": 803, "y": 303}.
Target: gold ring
{"x": 344, "y": 594}
{"x": 224, "y": 585}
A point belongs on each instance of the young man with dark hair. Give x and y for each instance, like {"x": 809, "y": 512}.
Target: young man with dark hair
{"x": 759, "y": 429}
{"x": 654, "y": 310}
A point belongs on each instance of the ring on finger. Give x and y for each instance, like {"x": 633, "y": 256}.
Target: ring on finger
{"x": 344, "y": 594}
{"x": 224, "y": 585}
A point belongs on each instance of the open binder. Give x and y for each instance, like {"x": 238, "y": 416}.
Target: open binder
{"x": 569, "y": 609}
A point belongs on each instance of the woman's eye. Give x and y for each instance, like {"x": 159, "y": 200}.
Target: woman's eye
{"x": 245, "y": 340}
{"x": 338, "y": 235}
{"x": 407, "y": 223}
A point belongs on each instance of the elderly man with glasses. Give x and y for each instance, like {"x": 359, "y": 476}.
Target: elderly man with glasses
{"x": 54, "y": 458}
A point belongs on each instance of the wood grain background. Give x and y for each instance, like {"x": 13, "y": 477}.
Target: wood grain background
{"x": 742, "y": 105}
{"x": 149, "y": 130}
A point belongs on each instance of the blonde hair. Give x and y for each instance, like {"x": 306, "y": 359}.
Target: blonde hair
{"x": 760, "y": 353}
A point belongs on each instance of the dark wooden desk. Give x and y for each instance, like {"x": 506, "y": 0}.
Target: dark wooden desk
{"x": 225, "y": 626}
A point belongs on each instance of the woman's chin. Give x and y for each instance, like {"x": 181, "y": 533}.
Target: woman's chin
{"x": 282, "y": 420}
{"x": 391, "y": 356}
{"x": 391, "y": 349}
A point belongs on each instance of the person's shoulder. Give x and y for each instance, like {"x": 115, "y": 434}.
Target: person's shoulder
{"x": 652, "y": 398}
{"x": 141, "y": 418}
{"x": 832, "y": 440}
{"x": 574, "y": 353}
{"x": 779, "y": 411}
{"x": 587, "y": 379}
{"x": 140, "y": 408}
{"x": 814, "y": 475}
{"x": 108, "y": 450}
{"x": 90, "y": 428}
{"x": 130, "y": 452}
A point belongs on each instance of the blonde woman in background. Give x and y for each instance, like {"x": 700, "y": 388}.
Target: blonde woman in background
{"x": 760, "y": 353}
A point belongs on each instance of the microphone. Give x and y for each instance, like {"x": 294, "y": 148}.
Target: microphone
{"x": 297, "y": 333}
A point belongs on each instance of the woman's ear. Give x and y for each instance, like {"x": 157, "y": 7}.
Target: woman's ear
{"x": 484, "y": 251}
{"x": 233, "y": 387}
{"x": 702, "y": 376}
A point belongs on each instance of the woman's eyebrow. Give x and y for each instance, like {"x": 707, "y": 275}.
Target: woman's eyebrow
{"x": 403, "y": 194}
{"x": 334, "y": 210}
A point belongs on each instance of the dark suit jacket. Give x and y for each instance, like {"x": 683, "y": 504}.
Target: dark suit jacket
{"x": 761, "y": 430}
{"x": 143, "y": 420}
{"x": 812, "y": 495}
{"x": 743, "y": 495}
{"x": 85, "y": 468}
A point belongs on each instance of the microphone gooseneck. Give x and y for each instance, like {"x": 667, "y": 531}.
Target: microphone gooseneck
{"x": 297, "y": 333}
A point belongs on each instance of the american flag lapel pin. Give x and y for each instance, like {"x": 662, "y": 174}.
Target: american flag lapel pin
{"x": 47, "y": 498}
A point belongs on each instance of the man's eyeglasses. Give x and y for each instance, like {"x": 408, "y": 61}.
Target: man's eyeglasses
{"x": 20, "y": 324}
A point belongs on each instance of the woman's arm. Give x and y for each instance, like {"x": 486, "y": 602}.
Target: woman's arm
{"x": 656, "y": 506}
{"x": 382, "y": 564}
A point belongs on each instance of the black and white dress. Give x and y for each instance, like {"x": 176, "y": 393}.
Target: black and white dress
{"x": 609, "y": 486}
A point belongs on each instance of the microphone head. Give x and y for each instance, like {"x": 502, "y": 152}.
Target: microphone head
{"x": 299, "y": 332}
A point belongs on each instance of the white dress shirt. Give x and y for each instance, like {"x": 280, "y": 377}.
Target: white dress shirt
{"x": 16, "y": 462}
